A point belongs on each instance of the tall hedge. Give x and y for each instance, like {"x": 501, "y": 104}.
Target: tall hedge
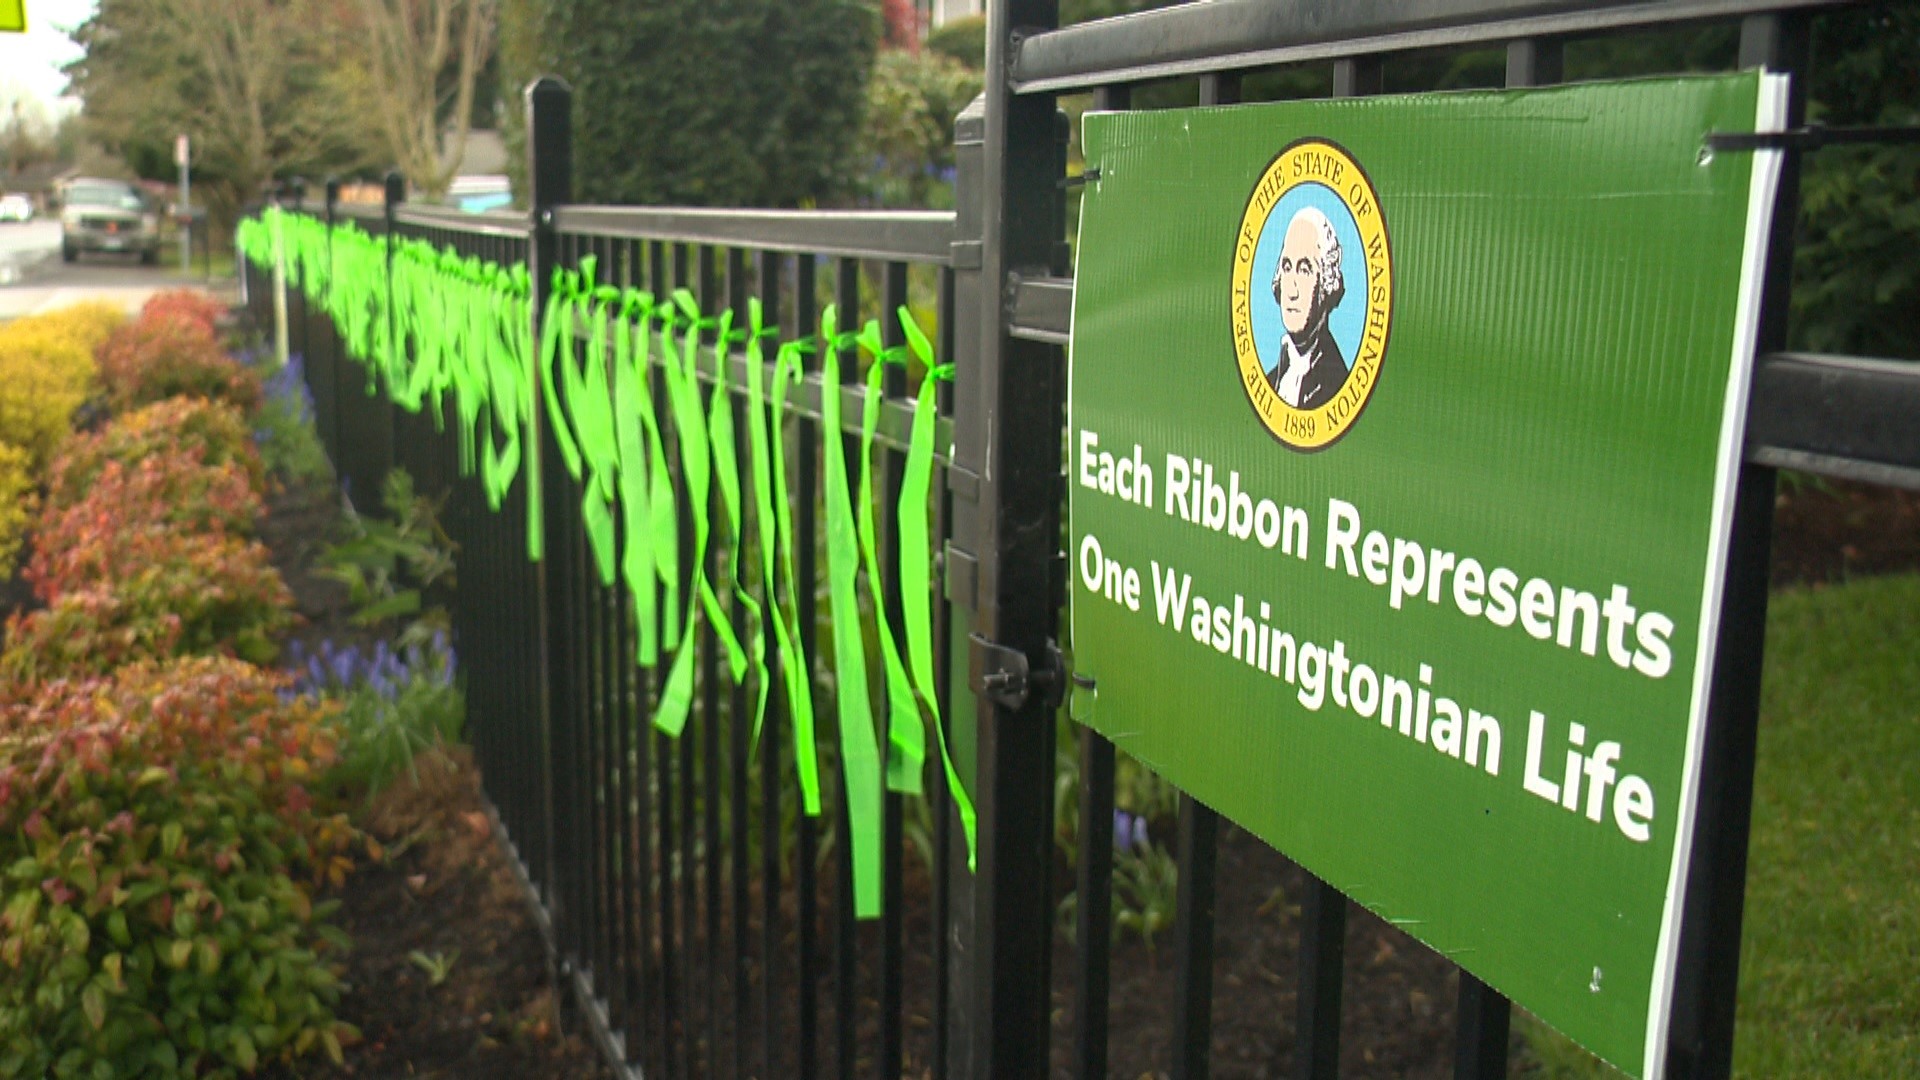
{"x": 706, "y": 102}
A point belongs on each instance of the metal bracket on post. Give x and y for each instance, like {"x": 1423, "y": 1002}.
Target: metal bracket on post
{"x": 1006, "y": 676}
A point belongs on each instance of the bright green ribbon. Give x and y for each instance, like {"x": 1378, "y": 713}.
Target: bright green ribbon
{"x": 726, "y": 471}
{"x": 696, "y": 468}
{"x": 637, "y": 562}
{"x": 916, "y": 578}
{"x": 906, "y": 734}
{"x": 859, "y": 752}
{"x": 798, "y": 668}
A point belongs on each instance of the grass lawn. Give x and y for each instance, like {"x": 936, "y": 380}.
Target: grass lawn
{"x": 1830, "y": 963}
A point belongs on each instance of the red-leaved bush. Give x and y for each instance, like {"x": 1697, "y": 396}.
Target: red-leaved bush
{"x": 185, "y": 303}
{"x": 172, "y": 354}
{"x": 173, "y": 490}
{"x": 223, "y": 589}
{"x": 218, "y": 432}
{"x": 157, "y": 838}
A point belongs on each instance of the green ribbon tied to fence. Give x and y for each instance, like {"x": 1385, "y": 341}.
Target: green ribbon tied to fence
{"x": 429, "y": 323}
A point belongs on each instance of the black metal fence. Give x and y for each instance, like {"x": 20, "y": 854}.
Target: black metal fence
{"x": 704, "y": 923}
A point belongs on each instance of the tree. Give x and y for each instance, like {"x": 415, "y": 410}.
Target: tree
{"x": 254, "y": 83}
{"x": 912, "y": 102}
{"x": 708, "y": 102}
{"x": 424, "y": 62}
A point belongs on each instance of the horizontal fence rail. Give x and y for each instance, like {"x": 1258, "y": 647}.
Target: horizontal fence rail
{"x": 708, "y": 924}
{"x": 1846, "y": 417}
{"x": 1239, "y": 35}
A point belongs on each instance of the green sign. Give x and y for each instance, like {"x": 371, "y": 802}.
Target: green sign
{"x": 13, "y": 16}
{"x": 1403, "y": 435}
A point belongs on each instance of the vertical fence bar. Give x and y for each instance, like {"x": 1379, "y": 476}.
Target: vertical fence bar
{"x": 637, "y": 796}
{"x": 1193, "y": 933}
{"x": 1700, "y": 1039}
{"x": 1093, "y": 905}
{"x": 846, "y": 991}
{"x": 1323, "y": 945}
{"x": 806, "y": 323}
{"x": 710, "y": 733}
{"x": 550, "y": 164}
{"x": 943, "y": 810}
{"x": 739, "y": 834}
{"x": 687, "y": 851}
{"x": 893, "y": 297}
{"x": 768, "y": 288}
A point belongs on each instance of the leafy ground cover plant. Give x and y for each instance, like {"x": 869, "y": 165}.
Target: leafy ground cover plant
{"x": 218, "y": 431}
{"x": 156, "y": 835}
{"x": 283, "y": 426}
{"x": 385, "y": 563}
{"x": 172, "y": 354}
{"x": 394, "y": 704}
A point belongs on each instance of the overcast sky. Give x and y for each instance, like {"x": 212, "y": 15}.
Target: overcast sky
{"x": 30, "y": 62}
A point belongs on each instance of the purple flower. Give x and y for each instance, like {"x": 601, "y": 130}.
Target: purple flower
{"x": 1129, "y": 832}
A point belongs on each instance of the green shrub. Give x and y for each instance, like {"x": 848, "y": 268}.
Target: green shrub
{"x": 911, "y": 105}
{"x": 963, "y": 40}
{"x": 156, "y": 834}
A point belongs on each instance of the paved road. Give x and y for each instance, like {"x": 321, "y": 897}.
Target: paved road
{"x": 33, "y": 279}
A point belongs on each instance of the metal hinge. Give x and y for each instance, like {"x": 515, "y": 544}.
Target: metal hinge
{"x": 1005, "y": 676}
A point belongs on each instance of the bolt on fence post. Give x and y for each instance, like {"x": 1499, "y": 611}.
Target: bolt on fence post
{"x": 549, "y": 104}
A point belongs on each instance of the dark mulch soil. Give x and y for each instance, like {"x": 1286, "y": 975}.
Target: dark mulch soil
{"x": 1398, "y": 997}
{"x": 445, "y": 894}
{"x": 1832, "y": 530}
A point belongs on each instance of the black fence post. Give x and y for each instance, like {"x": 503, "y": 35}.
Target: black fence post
{"x": 323, "y": 379}
{"x": 385, "y": 423}
{"x": 549, "y": 103}
{"x": 1008, "y": 413}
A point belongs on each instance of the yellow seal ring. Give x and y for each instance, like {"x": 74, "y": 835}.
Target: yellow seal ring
{"x": 1327, "y": 165}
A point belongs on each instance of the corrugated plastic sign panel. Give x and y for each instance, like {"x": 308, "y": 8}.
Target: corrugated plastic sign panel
{"x": 1402, "y": 441}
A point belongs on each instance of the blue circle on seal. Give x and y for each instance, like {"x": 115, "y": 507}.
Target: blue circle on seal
{"x": 1345, "y": 321}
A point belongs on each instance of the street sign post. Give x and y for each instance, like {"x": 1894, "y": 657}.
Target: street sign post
{"x": 182, "y": 155}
